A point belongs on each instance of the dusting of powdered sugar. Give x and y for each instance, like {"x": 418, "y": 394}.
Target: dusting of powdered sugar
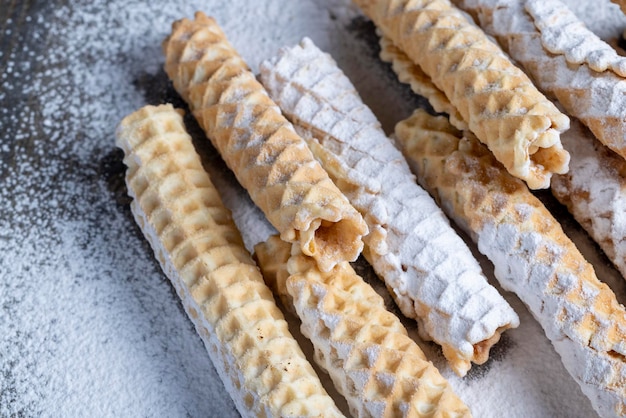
{"x": 563, "y": 33}
{"x": 89, "y": 324}
{"x": 596, "y": 191}
{"x": 603, "y": 17}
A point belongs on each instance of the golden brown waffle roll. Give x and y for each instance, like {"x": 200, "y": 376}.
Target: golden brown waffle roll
{"x": 531, "y": 254}
{"x": 365, "y": 349}
{"x": 497, "y": 100}
{"x": 261, "y": 147}
{"x": 594, "y": 191}
{"x": 201, "y": 251}
{"x": 598, "y": 99}
{"x": 429, "y": 270}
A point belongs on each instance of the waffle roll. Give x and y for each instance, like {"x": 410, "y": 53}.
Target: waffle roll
{"x": 202, "y": 253}
{"x": 427, "y": 267}
{"x": 364, "y": 348}
{"x": 259, "y": 145}
{"x": 531, "y": 254}
{"x": 594, "y": 191}
{"x": 598, "y": 99}
{"x": 498, "y": 101}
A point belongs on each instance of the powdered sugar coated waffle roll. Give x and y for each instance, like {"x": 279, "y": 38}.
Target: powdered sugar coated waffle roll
{"x": 429, "y": 270}
{"x": 365, "y": 349}
{"x": 497, "y": 100}
{"x": 598, "y": 99}
{"x": 261, "y": 147}
{"x": 201, "y": 251}
{"x": 531, "y": 254}
{"x": 594, "y": 191}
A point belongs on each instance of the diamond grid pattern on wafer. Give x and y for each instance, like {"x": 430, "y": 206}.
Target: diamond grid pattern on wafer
{"x": 598, "y": 99}
{"x": 261, "y": 147}
{"x": 498, "y": 101}
{"x": 201, "y": 251}
{"x": 365, "y": 349}
{"x": 531, "y": 254}
{"x": 428, "y": 268}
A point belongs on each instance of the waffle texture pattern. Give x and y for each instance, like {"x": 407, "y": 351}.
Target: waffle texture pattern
{"x": 259, "y": 145}
{"x": 429, "y": 270}
{"x": 365, "y": 349}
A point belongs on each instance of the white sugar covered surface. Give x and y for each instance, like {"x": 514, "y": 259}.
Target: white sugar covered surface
{"x": 89, "y": 325}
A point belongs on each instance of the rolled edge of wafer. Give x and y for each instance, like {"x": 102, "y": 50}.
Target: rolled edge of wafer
{"x": 412, "y": 74}
{"x": 201, "y": 251}
{"x": 563, "y": 33}
{"x": 270, "y": 160}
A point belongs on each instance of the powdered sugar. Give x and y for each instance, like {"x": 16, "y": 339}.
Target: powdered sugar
{"x": 563, "y": 33}
{"x": 519, "y": 257}
{"x": 595, "y": 192}
{"x": 604, "y": 18}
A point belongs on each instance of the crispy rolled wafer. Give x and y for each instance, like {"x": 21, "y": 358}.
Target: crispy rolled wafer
{"x": 201, "y": 251}
{"x": 531, "y": 254}
{"x": 598, "y": 99}
{"x": 429, "y": 270}
{"x": 497, "y": 100}
{"x": 365, "y": 349}
{"x": 269, "y": 159}
{"x": 594, "y": 191}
